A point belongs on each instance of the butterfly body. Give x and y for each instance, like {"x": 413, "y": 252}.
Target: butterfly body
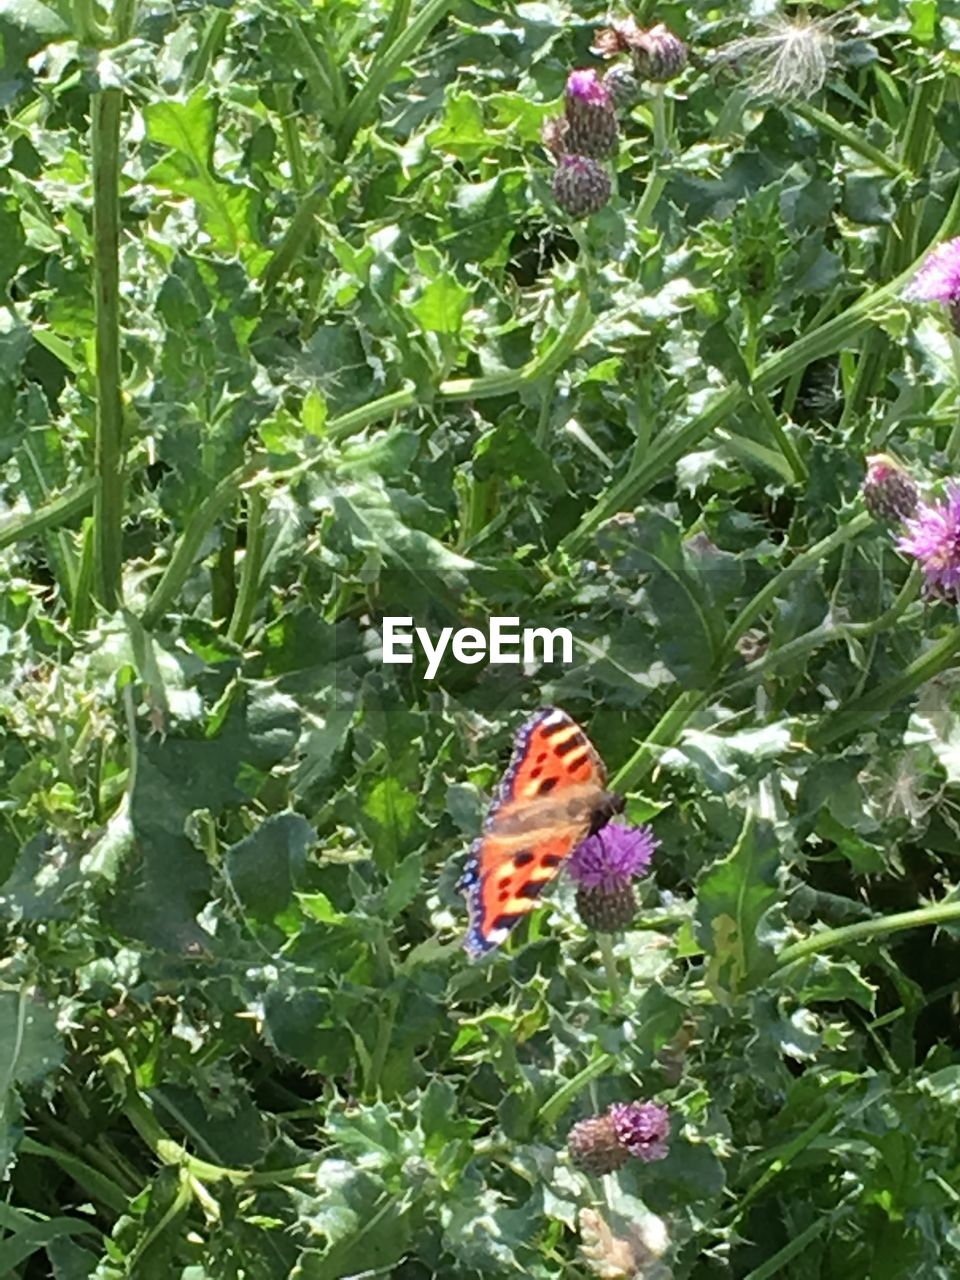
{"x": 551, "y": 797}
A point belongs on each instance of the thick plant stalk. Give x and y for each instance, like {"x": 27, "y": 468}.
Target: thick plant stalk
{"x": 776, "y": 368}
{"x": 868, "y": 930}
{"x": 390, "y": 57}
{"x": 108, "y": 497}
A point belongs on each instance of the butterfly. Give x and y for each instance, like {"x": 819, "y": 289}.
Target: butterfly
{"x": 551, "y": 797}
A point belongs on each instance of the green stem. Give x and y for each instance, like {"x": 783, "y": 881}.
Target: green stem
{"x": 664, "y": 733}
{"x": 849, "y": 137}
{"x": 798, "y": 467}
{"x": 124, "y": 19}
{"x": 555, "y": 1106}
{"x": 853, "y": 716}
{"x": 953, "y": 443}
{"x": 250, "y": 573}
{"x": 806, "y": 560}
{"x": 868, "y": 931}
{"x": 58, "y": 511}
{"x": 210, "y": 45}
{"x": 605, "y": 947}
{"x": 825, "y": 339}
{"x": 291, "y": 137}
{"x": 187, "y": 549}
{"x": 295, "y": 237}
{"x": 670, "y": 725}
{"x": 383, "y": 70}
{"x": 326, "y": 87}
{"x": 167, "y": 1151}
{"x": 93, "y": 1183}
{"x": 108, "y": 499}
{"x": 387, "y": 62}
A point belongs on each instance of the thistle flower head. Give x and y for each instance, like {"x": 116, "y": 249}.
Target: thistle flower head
{"x": 658, "y": 54}
{"x": 604, "y": 867}
{"x": 585, "y": 86}
{"x": 580, "y": 185}
{"x": 614, "y": 857}
{"x": 592, "y": 128}
{"x": 594, "y": 1146}
{"x": 642, "y": 1128}
{"x": 889, "y": 491}
{"x": 938, "y": 279}
{"x": 788, "y": 59}
{"x": 622, "y": 84}
{"x": 932, "y": 537}
{"x": 602, "y": 1144}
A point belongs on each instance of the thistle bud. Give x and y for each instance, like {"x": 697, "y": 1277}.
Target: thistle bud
{"x": 658, "y": 54}
{"x": 889, "y": 491}
{"x": 580, "y": 185}
{"x": 591, "y": 115}
{"x": 622, "y": 85}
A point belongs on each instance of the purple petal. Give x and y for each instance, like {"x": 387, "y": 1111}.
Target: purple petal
{"x": 614, "y": 857}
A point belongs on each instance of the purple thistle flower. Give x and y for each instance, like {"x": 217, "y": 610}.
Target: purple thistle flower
{"x": 602, "y": 1144}
{"x": 614, "y": 857}
{"x": 938, "y": 280}
{"x": 586, "y": 87}
{"x": 591, "y": 116}
{"x": 642, "y": 1128}
{"x": 933, "y": 538}
{"x": 604, "y": 867}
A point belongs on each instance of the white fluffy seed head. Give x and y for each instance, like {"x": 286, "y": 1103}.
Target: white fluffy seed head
{"x": 788, "y": 59}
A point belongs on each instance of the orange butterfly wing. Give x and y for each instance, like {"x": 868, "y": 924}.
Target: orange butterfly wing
{"x": 551, "y": 796}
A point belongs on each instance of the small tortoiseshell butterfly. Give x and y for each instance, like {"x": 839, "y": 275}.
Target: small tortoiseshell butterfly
{"x": 551, "y": 797}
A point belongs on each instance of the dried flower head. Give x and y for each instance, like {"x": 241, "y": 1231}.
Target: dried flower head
{"x": 619, "y": 37}
{"x": 657, "y": 53}
{"x": 938, "y": 279}
{"x": 554, "y": 135}
{"x": 615, "y": 1247}
{"x": 932, "y": 537}
{"x": 594, "y": 1146}
{"x": 889, "y": 491}
{"x": 604, "y": 867}
{"x": 789, "y": 59}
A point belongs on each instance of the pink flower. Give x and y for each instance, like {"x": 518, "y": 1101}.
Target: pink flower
{"x": 938, "y": 280}
{"x": 613, "y": 858}
{"x": 642, "y": 1128}
{"x": 933, "y": 539}
{"x": 586, "y": 87}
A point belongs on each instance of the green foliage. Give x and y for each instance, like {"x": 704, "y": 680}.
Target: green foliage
{"x": 344, "y": 359}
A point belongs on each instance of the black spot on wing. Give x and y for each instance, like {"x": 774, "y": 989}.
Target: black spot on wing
{"x": 523, "y": 858}
{"x": 549, "y": 730}
{"x": 546, "y": 785}
{"x": 551, "y": 860}
{"x": 506, "y": 919}
{"x": 532, "y": 889}
{"x": 575, "y": 740}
